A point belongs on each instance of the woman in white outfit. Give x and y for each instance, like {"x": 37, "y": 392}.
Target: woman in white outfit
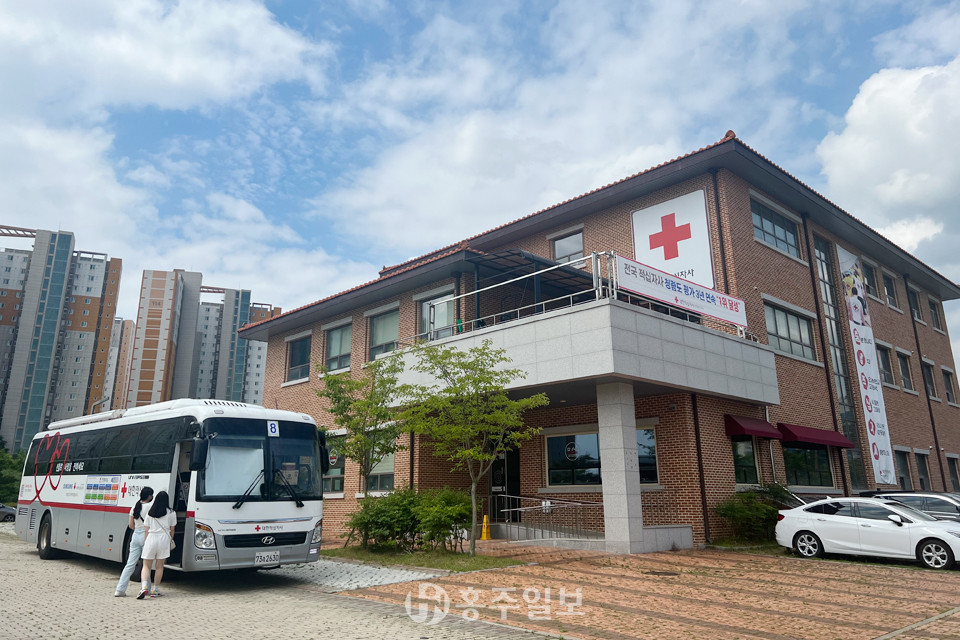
{"x": 158, "y": 539}
{"x": 135, "y": 522}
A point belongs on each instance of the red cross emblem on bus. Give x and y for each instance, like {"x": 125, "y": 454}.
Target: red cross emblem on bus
{"x": 670, "y": 236}
{"x": 256, "y": 528}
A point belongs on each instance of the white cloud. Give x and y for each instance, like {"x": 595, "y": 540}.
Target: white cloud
{"x": 930, "y": 39}
{"x": 577, "y": 113}
{"x": 908, "y": 234}
{"x": 149, "y": 176}
{"x": 894, "y": 163}
{"x": 68, "y": 58}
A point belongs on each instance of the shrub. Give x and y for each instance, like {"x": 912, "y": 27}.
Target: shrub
{"x": 444, "y": 515}
{"x": 406, "y": 519}
{"x": 387, "y": 520}
{"x": 750, "y": 514}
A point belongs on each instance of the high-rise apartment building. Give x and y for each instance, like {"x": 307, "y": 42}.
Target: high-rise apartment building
{"x": 118, "y": 362}
{"x": 185, "y": 347}
{"x": 57, "y": 306}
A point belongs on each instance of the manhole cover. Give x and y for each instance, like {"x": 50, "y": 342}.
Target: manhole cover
{"x": 661, "y": 573}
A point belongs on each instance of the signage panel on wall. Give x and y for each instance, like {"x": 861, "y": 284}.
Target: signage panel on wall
{"x": 673, "y": 236}
{"x": 657, "y": 285}
{"x": 868, "y": 371}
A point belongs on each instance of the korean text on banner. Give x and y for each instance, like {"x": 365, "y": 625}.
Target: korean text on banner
{"x": 868, "y": 371}
{"x": 658, "y": 285}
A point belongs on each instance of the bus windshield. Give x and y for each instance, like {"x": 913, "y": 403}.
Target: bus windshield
{"x": 245, "y": 464}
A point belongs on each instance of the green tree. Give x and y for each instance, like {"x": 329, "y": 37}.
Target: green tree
{"x": 364, "y": 405}
{"x": 468, "y": 416}
{"x": 11, "y": 467}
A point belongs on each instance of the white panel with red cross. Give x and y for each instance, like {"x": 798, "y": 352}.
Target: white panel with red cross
{"x": 673, "y": 236}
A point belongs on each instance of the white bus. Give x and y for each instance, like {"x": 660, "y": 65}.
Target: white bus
{"x": 246, "y": 483}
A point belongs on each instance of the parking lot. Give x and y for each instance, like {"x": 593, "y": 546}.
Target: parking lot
{"x": 698, "y": 594}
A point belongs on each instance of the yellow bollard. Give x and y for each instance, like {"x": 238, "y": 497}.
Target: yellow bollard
{"x": 485, "y": 535}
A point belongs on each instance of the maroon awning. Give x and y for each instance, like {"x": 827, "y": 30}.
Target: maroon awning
{"x": 743, "y": 426}
{"x": 796, "y": 433}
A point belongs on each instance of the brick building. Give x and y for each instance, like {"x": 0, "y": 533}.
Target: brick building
{"x": 796, "y": 390}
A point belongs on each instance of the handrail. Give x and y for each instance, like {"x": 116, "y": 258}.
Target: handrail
{"x": 549, "y": 518}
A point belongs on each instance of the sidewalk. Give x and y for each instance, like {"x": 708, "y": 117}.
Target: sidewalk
{"x": 696, "y": 594}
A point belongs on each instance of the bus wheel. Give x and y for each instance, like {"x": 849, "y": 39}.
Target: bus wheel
{"x": 125, "y": 549}
{"x": 47, "y": 552}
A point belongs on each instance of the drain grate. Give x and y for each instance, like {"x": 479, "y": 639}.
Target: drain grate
{"x": 661, "y": 573}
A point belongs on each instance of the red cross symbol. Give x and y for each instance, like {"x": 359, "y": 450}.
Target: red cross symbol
{"x": 670, "y": 236}
{"x": 123, "y": 490}
{"x": 256, "y": 528}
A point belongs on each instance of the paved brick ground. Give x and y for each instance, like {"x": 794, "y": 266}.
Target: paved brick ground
{"x": 72, "y": 598}
{"x": 715, "y": 594}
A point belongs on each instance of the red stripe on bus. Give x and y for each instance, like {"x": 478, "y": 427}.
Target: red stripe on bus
{"x": 85, "y": 507}
{"x": 191, "y": 514}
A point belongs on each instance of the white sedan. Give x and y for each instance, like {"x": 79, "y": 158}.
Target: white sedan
{"x": 869, "y": 527}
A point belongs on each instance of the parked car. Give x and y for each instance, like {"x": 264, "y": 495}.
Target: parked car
{"x": 7, "y": 514}
{"x": 869, "y": 527}
{"x": 942, "y": 506}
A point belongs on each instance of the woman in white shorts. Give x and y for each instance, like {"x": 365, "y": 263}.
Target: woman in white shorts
{"x": 158, "y": 539}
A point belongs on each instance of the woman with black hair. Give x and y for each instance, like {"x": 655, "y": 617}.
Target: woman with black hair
{"x": 135, "y": 522}
{"x": 158, "y": 540}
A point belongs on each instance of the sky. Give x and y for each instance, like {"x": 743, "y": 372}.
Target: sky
{"x": 295, "y": 147}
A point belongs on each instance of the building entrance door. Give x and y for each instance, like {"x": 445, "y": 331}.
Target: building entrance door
{"x": 505, "y": 487}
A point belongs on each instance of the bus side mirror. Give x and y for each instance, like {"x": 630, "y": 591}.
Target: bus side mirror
{"x": 198, "y": 454}
{"x": 324, "y": 460}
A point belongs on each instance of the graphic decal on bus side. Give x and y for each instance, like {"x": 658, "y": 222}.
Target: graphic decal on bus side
{"x": 60, "y": 450}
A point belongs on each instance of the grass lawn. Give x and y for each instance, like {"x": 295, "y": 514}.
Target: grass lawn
{"x": 447, "y": 560}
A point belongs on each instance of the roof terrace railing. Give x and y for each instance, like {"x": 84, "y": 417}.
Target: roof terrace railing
{"x": 603, "y": 274}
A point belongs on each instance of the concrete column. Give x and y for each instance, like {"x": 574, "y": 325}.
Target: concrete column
{"x": 623, "y": 514}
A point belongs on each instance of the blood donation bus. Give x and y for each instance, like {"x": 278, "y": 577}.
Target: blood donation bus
{"x": 245, "y": 481}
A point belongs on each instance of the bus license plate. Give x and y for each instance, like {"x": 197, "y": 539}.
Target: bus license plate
{"x": 269, "y": 557}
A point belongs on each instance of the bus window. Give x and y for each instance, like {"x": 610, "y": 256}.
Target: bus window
{"x": 85, "y": 452}
{"x": 154, "y": 450}
{"x": 117, "y": 453}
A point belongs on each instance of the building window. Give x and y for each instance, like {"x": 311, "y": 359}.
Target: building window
{"x": 905, "y": 380}
{"x": 744, "y": 460}
{"x": 870, "y": 278}
{"x": 807, "y": 465}
{"x": 903, "y": 470}
{"x": 890, "y": 290}
{"x": 568, "y": 247}
{"x": 573, "y": 459}
{"x": 774, "y": 229}
{"x": 437, "y": 318}
{"x": 647, "y": 455}
{"x": 333, "y": 479}
{"x": 298, "y": 359}
{"x": 913, "y": 299}
{"x": 954, "y": 473}
{"x": 886, "y": 368}
{"x": 384, "y": 332}
{"x": 935, "y": 314}
{"x": 789, "y": 332}
{"x": 381, "y": 476}
{"x": 928, "y": 379}
{"x": 948, "y": 386}
{"x": 922, "y": 474}
{"x": 338, "y": 347}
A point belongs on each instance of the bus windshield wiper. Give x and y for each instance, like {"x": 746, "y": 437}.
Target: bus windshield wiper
{"x": 290, "y": 490}
{"x": 246, "y": 494}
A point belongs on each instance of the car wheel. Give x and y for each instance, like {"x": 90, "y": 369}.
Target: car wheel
{"x": 808, "y": 544}
{"x": 9, "y": 518}
{"x": 934, "y": 554}
{"x": 44, "y": 546}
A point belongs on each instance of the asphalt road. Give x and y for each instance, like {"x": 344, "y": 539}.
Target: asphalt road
{"x": 73, "y": 598}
